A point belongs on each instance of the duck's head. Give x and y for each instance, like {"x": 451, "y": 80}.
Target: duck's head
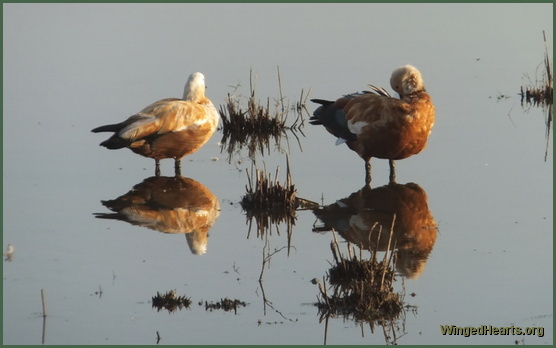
{"x": 406, "y": 80}
{"x": 194, "y": 87}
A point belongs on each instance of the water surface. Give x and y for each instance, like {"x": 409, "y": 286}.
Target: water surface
{"x": 71, "y": 67}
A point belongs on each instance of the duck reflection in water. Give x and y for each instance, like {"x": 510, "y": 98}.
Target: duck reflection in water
{"x": 168, "y": 205}
{"x": 357, "y": 219}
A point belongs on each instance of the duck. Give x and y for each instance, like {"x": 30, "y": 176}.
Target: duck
{"x": 374, "y": 124}
{"x": 168, "y": 128}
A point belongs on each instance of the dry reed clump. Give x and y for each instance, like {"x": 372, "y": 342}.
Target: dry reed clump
{"x": 541, "y": 92}
{"x": 170, "y": 301}
{"x": 270, "y": 202}
{"x": 361, "y": 289}
{"x": 255, "y": 126}
{"x": 225, "y": 304}
{"x": 269, "y": 195}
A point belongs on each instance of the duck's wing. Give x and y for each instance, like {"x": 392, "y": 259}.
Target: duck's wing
{"x": 375, "y": 111}
{"x": 164, "y": 116}
{"x": 345, "y": 117}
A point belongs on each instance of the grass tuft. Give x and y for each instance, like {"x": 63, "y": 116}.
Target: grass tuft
{"x": 256, "y": 125}
{"x": 540, "y": 93}
{"x": 170, "y": 301}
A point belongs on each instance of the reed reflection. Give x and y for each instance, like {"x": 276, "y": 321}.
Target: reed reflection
{"x": 357, "y": 218}
{"x": 169, "y": 205}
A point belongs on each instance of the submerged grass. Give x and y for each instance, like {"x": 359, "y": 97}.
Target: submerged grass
{"x": 541, "y": 93}
{"x": 267, "y": 194}
{"x": 270, "y": 202}
{"x": 170, "y": 301}
{"x": 225, "y": 304}
{"x": 255, "y": 126}
{"x": 362, "y": 290}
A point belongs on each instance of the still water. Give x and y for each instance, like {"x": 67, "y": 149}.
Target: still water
{"x": 483, "y": 177}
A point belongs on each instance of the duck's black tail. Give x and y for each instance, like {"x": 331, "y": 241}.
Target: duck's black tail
{"x": 108, "y": 128}
{"x": 114, "y": 142}
{"x": 316, "y": 119}
{"x": 332, "y": 118}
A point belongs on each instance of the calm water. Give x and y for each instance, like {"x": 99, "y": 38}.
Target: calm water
{"x": 71, "y": 67}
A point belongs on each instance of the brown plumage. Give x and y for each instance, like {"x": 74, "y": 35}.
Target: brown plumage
{"x": 168, "y": 128}
{"x": 374, "y": 124}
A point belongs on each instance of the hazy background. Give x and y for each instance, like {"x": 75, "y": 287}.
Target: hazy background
{"x": 68, "y": 68}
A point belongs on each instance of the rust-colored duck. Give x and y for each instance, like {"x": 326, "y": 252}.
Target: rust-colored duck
{"x": 168, "y": 128}
{"x": 374, "y": 124}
